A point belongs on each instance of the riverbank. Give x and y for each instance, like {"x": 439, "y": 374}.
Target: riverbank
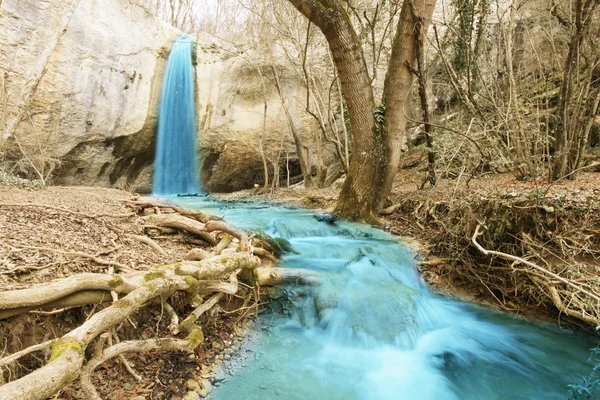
{"x": 556, "y": 227}
{"x": 60, "y": 232}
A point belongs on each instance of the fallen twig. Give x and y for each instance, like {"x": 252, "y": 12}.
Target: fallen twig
{"x": 93, "y": 257}
{"x": 65, "y": 210}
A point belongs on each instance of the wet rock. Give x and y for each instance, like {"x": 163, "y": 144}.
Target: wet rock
{"x": 328, "y": 218}
{"x": 206, "y": 385}
{"x": 381, "y": 312}
{"x": 192, "y": 385}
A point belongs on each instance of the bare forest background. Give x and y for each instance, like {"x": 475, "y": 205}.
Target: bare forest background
{"x": 505, "y": 86}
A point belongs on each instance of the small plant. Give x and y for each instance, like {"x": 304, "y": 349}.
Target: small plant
{"x": 15, "y": 181}
{"x": 10, "y": 179}
{"x": 585, "y": 389}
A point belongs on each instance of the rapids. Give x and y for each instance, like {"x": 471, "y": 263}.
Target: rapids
{"x": 373, "y": 330}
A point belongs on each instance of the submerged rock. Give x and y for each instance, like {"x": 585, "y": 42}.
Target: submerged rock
{"x": 328, "y": 218}
{"x": 382, "y": 313}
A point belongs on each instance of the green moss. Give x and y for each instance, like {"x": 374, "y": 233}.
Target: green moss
{"x": 188, "y": 326}
{"x": 196, "y": 336}
{"x": 122, "y": 303}
{"x": 168, "y": 267}
{"x": 194, "y": 284}
{"x": 115, "y": 281}
{"x": 156, "y": 274}
{"x": 284, "y": 246}
{"x": 62, "y": 345}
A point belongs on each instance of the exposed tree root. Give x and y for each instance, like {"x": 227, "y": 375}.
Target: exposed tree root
{"x": 552, "y": 236}
{"x": 277, "y": 276}
{"x": 551, "y": 288}
{"x": 68, "y": 353}
{"x": 197, "y": 255}
{"x": 143, "y": 204}
{"x": 259, "y": 251}
{"x": 133, "y": 346}
{"x": 146, "y": 240}
{"x": 93, "y": 257}
{"x": 197, "y": 283}
{"x": 182, "y": 223}
{"x": 212, "y": 226}
{"x": 15, "y": 356}
{"x": 529, "y": 264}
{"x": 225, "y": 241}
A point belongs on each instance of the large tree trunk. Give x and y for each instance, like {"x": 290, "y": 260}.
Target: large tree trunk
{"x": 577, "y": 102}
{"x": 356, "y": 198}
{"x": 378, "y": 134}
{"x": 396, "y": 91}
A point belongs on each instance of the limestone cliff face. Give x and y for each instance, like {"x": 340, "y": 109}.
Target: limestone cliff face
{"x": 81, "y": 80}
{"x": 241, "y": 114}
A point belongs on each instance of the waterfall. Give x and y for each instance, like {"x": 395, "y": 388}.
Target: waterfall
{"x": 175, "y": 167}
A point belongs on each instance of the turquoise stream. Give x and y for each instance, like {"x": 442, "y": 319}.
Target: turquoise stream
{"x": 373, "y": 330}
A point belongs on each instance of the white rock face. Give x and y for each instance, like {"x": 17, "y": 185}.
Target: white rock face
{"x": 82, "y": 78}
{"x": 83, "y": 81}
{"x": 233, "y": 91}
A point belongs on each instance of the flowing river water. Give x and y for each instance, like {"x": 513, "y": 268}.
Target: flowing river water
{"x": 373, "y": 330}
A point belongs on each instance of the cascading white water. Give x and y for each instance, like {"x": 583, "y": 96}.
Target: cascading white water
{"x": 374, "y": 331}
{"x": 175, "y": 166}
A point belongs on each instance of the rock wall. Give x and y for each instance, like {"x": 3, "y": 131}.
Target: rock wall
{"x": 80, "y": 83}
{"x": 241, "y": 112}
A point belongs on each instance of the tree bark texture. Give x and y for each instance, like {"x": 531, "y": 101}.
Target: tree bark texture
{"x": 378, "y": 133}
